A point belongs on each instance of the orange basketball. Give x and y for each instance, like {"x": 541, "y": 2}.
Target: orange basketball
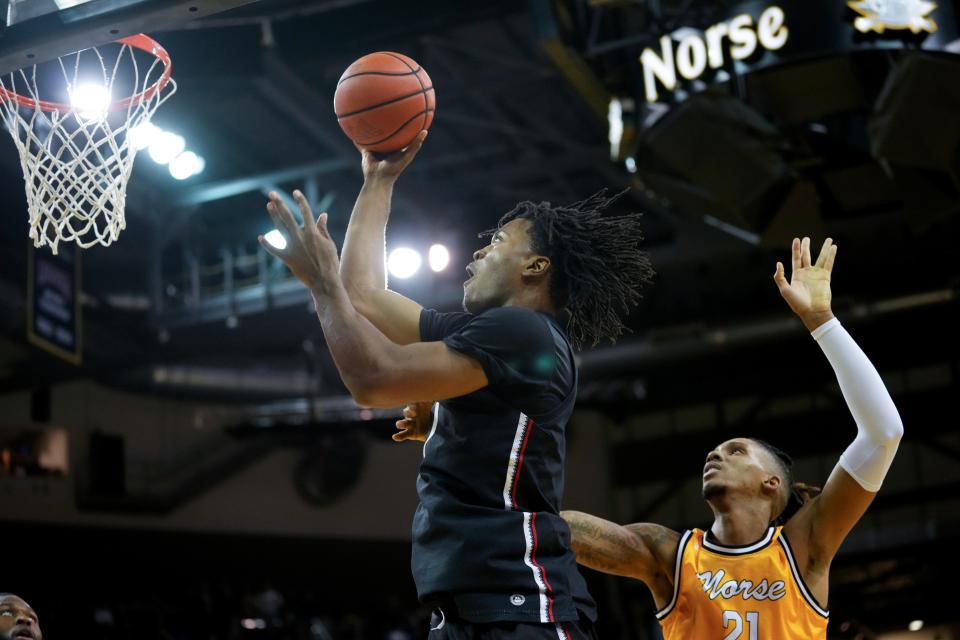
{"x": 383, "y": 101}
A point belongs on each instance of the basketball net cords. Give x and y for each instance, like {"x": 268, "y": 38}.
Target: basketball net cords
{"x": 76, "y": 173}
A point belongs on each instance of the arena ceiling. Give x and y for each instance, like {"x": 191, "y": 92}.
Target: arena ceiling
{"x": 862, "y": 147}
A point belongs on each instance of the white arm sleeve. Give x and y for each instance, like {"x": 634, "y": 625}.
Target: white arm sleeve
{"x": 879, "y": 427}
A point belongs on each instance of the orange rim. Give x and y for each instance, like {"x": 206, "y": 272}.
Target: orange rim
{"x": 138, "y": 41}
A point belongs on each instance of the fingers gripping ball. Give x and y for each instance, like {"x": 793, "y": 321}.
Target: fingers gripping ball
{"x": 383, "y": 100}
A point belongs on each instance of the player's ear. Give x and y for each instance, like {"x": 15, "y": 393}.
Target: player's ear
{"x": 771, "y": 483}
{"x": 536, "y": 266}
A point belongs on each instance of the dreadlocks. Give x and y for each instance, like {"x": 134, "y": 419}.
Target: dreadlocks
{"x": 596, "y": 266}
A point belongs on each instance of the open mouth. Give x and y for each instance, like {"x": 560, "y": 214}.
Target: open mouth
{"x": 24, "y": 633}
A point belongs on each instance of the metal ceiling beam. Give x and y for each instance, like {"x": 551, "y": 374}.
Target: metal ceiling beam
{"x": 570, "y": 65}
{"x": 539, "y": 70}
{"x": 302, "y": 10}
{"x": 806, "y": 433}
{"x": 325, "y": 202}
{"x": 236, "y": 186}
{"x": 260, "y": 298}
{"x": 551, "y": 137}
{"x": 295, "y": 98}
{"x": 518, "y": 172}
{"x": 84, "y": 25}
{"x": 495, "y": 113}
{"x": 636, "y": 355}
{"x": 285, "y": 197}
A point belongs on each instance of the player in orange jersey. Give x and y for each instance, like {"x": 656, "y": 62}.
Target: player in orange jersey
{"x": 749, "y": 577}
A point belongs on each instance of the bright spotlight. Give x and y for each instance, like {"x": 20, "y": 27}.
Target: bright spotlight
{"x": 438, "y": 257}
{"x": 403, "y": 262}
{"x": 143, "y": 135}
{"x": 916, "y": 625}
{"x": 275, "y": 239}
{"x": 166, "y": 147}
{"x": 186, "y": 164}
{"x": 253, "y": 623}
{"x": 90, "y": 100}
{"x": 615, "y": 126}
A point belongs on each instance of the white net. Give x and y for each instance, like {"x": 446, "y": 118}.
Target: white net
{"x": 77, "y": 155}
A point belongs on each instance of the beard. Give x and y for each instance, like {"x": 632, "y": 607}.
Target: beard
{"x": 713, "y": 490}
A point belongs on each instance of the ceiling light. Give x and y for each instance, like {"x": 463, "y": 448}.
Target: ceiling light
{"x": 438, "y": 257}
{"x": 403, "y": 262}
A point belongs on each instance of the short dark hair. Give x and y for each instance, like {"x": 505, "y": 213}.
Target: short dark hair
{"x": 597, "y": 268}
{"x": 785, "y": 463}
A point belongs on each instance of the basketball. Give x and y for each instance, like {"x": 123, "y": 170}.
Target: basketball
{"x": 383, "y": 100}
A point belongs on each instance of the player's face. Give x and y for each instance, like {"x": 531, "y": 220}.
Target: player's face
{"x": 496, "y": 271}
{"x": 736, "y": 466}
{"x": 18, "y": 620}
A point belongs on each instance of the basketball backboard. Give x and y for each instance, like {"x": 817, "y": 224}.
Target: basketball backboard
{"x": 39, "y": 30}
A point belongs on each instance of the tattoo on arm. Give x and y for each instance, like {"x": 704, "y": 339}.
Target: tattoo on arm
{"x": 608, "y": 547}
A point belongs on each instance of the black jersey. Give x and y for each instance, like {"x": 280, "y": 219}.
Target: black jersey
{"x": 487, "y": 535}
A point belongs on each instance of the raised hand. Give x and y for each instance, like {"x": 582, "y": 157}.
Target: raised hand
{"x": 310, "y": 252}
{"x": 390, "y": 166}
{"x": 416, "y": 422}
{"x": 808, "y": 291}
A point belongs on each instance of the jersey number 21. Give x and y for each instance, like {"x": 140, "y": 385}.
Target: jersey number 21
{"x": 734, "y": 618}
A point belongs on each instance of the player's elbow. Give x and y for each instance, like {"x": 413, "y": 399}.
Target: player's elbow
{"x": 359, "y": 297}
{"x": 366, "y": 398}
{"x": 364, "y": 300}
{"x": 897, "y": 431}
{"x": 372, "y": 392}
{"x": 893, "y": 431}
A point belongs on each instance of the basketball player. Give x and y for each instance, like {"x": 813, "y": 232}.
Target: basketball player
{"x": 490, "y": 550}
{"x": 748, "y": 577}
{"x": 18, "y": 620}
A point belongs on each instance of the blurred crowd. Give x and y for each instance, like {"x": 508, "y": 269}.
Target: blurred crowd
{"x": 224, "y": 612}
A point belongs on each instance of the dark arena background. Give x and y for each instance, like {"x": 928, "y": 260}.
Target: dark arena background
{"x": 179, "y": 457}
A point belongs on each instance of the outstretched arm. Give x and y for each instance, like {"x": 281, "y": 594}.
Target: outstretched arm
{"x": 821, "y": 526}
{"x": 645, "y": 552}
{"x": 362, "y": 268}
{"x": 377, "y": 371}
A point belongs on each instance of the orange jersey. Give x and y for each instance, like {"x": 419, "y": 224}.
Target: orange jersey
{"x": 751, "y": 592}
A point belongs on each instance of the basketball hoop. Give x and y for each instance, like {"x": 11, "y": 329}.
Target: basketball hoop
{"x": 77, "y": 157}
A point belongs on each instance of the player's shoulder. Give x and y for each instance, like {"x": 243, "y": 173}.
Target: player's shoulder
{"x": 511, "y": 313}
{"x": 663, "y": 542}
{"x": 520, "y": 322}
{"x": 436, "y": 325}
{"x": 652, "y": 529}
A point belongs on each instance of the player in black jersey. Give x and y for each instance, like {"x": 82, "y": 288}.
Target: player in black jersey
{"x": 490, "y": 550}
{"x": 18, "y": 620}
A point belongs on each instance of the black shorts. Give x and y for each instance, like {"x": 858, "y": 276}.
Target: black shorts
{"x": 442, "y": 628}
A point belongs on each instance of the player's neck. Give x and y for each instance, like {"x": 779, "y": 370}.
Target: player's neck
{"x": 739, "y": 523}
{"x": 536, "y": 298}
